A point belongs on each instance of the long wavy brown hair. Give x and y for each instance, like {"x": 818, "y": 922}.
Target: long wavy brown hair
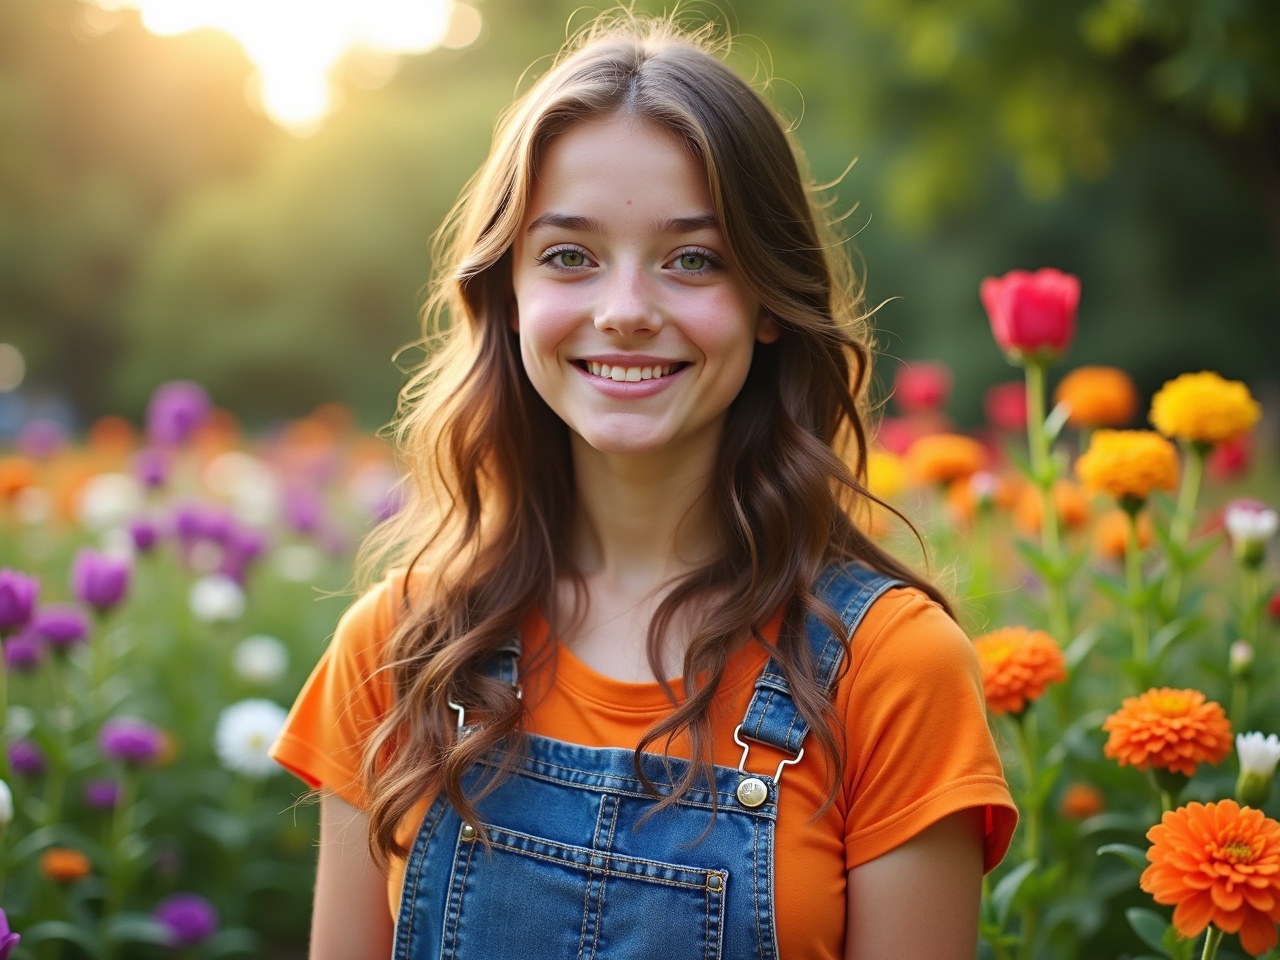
{"x": 490, "y": 477}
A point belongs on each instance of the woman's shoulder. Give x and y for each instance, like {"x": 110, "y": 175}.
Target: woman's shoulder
{"x": 371, "y": 617}
{"x": 906, "y": 634}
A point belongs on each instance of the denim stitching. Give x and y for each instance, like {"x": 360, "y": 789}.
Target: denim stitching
{"x": 460, "y": 887}
{"x": 404, "y": 934}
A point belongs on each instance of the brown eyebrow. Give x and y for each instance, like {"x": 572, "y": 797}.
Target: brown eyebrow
{"x": 568, "y": 221}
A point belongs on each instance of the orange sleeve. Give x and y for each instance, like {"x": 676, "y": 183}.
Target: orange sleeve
{"x": 343, "y": 700}
{"x": 919, "y": 745}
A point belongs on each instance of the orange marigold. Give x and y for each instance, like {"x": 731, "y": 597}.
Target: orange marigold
{"x": 1080, "y": 801}
{"x": 1204, "y": 408}
{"x": 16, "y": 475}
{"x": 64, "y": 865}
{"x": 1017, "y": 665}
{"x": 943, "y": 457}
{"x": 1128, "y": 464}
{"x": 1069, "y": 501}
{"x": 1172, "y": 729}
{"x": 1218, "y": 863}
{"x": 1111, "y": 535}
{"x": 1098, "y": 397}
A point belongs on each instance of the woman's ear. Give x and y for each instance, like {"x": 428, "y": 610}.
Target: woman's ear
{"x": 767, "y": 329}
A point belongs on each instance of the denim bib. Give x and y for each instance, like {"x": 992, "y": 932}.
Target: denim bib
{"x": 573, "y": 872}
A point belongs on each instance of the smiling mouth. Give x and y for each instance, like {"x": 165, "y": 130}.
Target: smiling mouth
{"x": 621, "y": 374}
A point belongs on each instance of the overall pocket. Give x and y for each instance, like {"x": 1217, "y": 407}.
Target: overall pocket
{"x": 534, "y": 898}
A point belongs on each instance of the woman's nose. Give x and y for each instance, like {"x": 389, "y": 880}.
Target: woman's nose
{"x": 627, "y": 304}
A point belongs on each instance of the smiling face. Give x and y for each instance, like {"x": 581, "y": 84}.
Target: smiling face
{"x": 634, "y": 326}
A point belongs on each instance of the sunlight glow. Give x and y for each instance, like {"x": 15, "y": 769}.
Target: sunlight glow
{"x": 296, "y": 44}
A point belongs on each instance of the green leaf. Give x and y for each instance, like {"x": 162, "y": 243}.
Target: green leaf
{"x": 234, "y": 942}
{"x": 1149, "y": 926}
{"x": 1037, "y": 560}
{"x": 66, "y": 932}
{"x": 1134, "y": 856}
{"x": 1113, "y": 589}
{"x": 135, "y": 928}
{"x": 1056, "y": 420}
{"x": 1081, "y": 645}
{"x": 1006, "y": 890}
{"x": 1178, "y": 947}
{"x": 1174, "y": 631}
{"x": 1114, "y": 820}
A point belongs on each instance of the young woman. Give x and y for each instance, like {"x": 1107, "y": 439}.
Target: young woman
{"x": 640, "y": 686}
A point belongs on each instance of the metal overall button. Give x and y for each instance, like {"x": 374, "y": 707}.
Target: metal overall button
{"x": 468, "y": 832}
{"x": 713, "y": 882}
{"x": 752, "y": 791}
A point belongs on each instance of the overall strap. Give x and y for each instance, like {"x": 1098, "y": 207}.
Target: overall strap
{"x": 772, "y": 716}
{"x": 504, "y": 665}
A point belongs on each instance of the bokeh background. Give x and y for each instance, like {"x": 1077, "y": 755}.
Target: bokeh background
{"x": 253, "y": 209}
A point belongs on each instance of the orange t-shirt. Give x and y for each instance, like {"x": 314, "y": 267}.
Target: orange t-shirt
{"x": 918, "y": 743}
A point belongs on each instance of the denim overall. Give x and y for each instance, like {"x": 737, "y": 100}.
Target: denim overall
{"x": 573, "y": 873}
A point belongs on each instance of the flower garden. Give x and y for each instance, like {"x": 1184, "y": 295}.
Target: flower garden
{"x": 165, "y": 589}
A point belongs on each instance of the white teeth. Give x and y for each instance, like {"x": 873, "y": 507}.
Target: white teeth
{"x": 621, "y": 374}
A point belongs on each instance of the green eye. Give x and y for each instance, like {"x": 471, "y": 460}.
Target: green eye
{"x": 571, "y": 258}
{"x": 693, "y": 261}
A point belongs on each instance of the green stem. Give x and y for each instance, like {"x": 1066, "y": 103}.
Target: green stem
{"x": 1184, "y": 516}
{"x": 1042, "y": 473}
{"x": 1024, "y": 737}
{"x": 121, "y": 823}
{"x": 1212, "y": 938}
{"x": 1133, "y": 576}
{"x": 1166, "y": 801}
{"x": 1250, "y": 589}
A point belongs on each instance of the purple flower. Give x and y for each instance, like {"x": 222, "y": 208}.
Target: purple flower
{"x": 17, "y": 599}
{"x": 26, "y": 758}
{"x": 151, "y": 467}
{"x": 176, "y": 410}
{"x": 99, "y": 579}
{"x": 130, "y": 741}
{"x": 243, "y": 546}
{"x": 145, "y": 533}
{"x": 303, "y": 509}
{"x": 23, "y": 652}
{"x": 101, "y": 793}
{"x": 42, "y": 439}
{"x": 61, "y": 625}
{"x": 8, "y": 939}
{"x": 189, "y": 917}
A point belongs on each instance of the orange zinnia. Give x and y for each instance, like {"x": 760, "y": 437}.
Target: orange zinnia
{"x": 1172, "y": 729}
{"x": 1017, "y": 665}
{"x": 1098, "y": 397}
{"x": 1111, "y": 535}
{"x": 1220, "y": 864}
{"x": 943, "y": 457}
{"x": 1069, "y": 502}
{"x": 64, "y": 865}
{"x": 1080, "y": 801}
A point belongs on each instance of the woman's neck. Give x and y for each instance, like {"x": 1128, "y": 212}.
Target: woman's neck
{"x": 642, "y": 521}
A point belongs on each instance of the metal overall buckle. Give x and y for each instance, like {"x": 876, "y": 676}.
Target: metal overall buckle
{"x": 513, "y": 648}
{"x": 752, "y": 791}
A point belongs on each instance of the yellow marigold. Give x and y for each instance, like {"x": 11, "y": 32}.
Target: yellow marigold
{"x": 1080, "y": 801}
{"x": 1218, "y": 863}
{"x": 886, "y": 473}
{"x": 1128, "y": 464}
{"x": 1098, "y": 397}
{"x": 1111, "y": 535}
{"x": 943, "y": 457}
{"x": 64, "y": 865}
{"x": 1017, "y": 665}
{"x": 1204, "y": 408}
{"x": 1172, "y": 729}
{"x": 1069, "y": 502}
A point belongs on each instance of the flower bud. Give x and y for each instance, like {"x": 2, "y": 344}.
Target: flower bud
{"x": 1240, "y": 660}
{"x": 1250, "y": 525}
{"x": 6, "y": 805}
{"x": 1258, "y": 758}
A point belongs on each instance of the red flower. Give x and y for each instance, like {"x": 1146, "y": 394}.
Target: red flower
{"x": 1005, "y": 405}
{"x": 1273, "y": 605}
{"x": 1231, "y": 458}
{"x": 1033, "y": 315}
{"x": 922, "y": 387}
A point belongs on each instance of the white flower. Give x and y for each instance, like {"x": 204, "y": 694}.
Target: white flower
{"x": 6, "y": 805}
{"x": 216, "y": 599}
{"x": 1258, "y": 754}
{"x": 260, "y": 659}
{"x": 250, "y": 485}
{"x": 297, "y": 562}
{"x": 109, "y": 500}
{"x": 1250, "y": 525}
{"x": 244, "y": 734}
{"x": 1258, "y": 758}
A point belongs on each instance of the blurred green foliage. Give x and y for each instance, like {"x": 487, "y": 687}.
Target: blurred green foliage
{"x": 153, "y": 226}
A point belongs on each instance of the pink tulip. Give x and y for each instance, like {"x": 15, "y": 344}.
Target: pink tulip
{"x": 922, "y": 387}
{"x": 1033, "y": 315}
